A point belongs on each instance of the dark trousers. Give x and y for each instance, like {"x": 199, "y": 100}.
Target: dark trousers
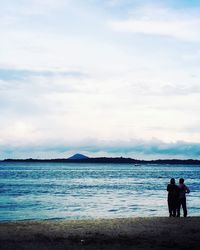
{"x": 182, "y": 202}
{"x": 172, "y": 206}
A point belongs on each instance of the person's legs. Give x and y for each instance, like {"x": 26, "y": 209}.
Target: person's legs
{"x": 174, "y": 206}
{"x": 174, "y": 211}
{"x": 170, "y": 208}
{"x": 184, "y": 207}
{"x": 178, "y": 208}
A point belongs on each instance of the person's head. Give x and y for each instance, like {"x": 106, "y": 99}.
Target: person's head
{"x": 181, "y": 180}
{"x": 172, "y": 181}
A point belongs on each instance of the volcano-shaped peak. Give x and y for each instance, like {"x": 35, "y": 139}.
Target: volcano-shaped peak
{"x": 78, "y": 157}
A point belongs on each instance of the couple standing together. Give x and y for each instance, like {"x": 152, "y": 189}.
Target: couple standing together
{"x": 177, "y": 197}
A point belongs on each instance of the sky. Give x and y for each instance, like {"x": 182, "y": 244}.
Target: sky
{"x": 100, "y": 77}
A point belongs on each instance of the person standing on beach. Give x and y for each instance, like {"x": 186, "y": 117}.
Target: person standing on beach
{"x": 183, "y": 189}
{"x": 173, "y": 195}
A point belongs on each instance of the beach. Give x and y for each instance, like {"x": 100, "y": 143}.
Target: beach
{"x": 128, "y": 233}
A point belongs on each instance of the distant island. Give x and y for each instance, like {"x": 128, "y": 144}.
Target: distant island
{"x": 79, "y": 158}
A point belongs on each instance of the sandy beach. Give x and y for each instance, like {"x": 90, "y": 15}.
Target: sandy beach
{"x": 129, "y": 233}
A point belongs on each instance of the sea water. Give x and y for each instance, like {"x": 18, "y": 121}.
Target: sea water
{"x": 88, "y": 191}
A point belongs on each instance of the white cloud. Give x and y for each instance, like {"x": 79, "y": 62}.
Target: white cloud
{"x": 178, "y": 24}
{"x": 73, "y": 107}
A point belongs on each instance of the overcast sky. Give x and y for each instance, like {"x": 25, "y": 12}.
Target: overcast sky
{"x": 100, "y": 77}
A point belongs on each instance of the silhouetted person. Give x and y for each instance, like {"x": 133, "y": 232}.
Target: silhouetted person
{"x": 183, "y": 189}
{"x": 173, "y": 195}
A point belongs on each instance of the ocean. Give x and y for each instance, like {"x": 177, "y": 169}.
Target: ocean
{"x": 53, "y": 191}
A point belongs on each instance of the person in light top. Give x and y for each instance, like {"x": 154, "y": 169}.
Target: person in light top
{"x": 183, "y": 190}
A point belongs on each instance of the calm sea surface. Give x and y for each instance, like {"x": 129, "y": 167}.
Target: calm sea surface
{"x": 82, "y": 191}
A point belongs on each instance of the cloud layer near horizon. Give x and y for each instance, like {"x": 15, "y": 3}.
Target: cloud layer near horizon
{"x": 99, "y": 71}
{"x": 148, "y": 150}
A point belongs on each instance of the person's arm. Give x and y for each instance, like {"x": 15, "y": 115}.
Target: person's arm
{"x": 168, "y": 187}
{"x": 187, "y": 190}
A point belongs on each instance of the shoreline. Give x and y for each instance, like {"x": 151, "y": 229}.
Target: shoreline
{"x": 121, "y": 233}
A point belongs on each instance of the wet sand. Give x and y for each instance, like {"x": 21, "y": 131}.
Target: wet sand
{"x": 113, "y": 234}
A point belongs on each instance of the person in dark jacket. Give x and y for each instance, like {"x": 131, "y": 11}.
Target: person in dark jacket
{"x": 173, "y": 196}
{"x": 183, "y": 189}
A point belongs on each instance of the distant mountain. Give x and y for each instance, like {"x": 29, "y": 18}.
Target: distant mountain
{"x": 78, "y": 157}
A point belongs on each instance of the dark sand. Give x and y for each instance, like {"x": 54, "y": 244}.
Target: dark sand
{"x": 132, "y": 233}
